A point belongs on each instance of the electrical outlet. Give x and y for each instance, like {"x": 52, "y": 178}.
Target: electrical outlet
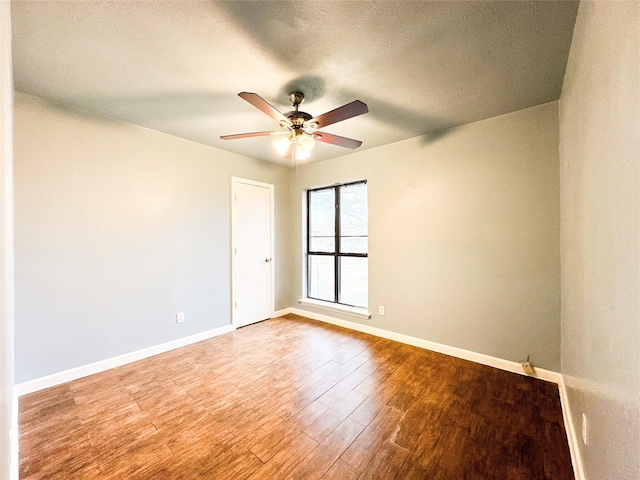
{"x": 180, "y": 317}
{"x": 381, "y": 310}
{"x": 584, "y": 429}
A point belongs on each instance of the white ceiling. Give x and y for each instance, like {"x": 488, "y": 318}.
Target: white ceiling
{"x": 177, "y": 66}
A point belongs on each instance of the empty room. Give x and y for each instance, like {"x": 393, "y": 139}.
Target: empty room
{"x": 320, "y": 239}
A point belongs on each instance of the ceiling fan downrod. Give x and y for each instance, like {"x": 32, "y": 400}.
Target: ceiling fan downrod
{"x": 297, "y": 117}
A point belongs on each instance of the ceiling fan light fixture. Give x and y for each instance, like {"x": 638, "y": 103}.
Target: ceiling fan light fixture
{"x": 282, "y": 145}
{"x": 306, "y": 142}
{"x": 301, "y": 153}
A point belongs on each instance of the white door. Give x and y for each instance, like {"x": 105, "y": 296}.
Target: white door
{"x": 252, "y": 251}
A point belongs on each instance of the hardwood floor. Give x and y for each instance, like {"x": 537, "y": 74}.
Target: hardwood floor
{"x": 296, "y": 398}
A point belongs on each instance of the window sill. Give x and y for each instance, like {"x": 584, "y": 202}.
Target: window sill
{"x": 334, "y": 307}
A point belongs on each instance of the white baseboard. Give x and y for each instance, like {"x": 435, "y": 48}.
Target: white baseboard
{"x": 103, "y": 365}
{"x": 279, "y": 313}
{"x": 488, "y": 360}
{"x": 572, "y": 438}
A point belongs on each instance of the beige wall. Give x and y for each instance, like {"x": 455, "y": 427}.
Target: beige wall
{"x": 600, "y": 184}
{"x": 119, "y": 227}
{"x": 463, "y": 234}
{"x": 8, "y": 407}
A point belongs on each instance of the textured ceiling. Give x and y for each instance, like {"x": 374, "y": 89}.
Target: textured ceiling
{"x": 177, "y": 66}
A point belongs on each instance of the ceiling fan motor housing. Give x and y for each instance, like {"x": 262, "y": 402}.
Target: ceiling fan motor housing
{"x": 297, "y": 117}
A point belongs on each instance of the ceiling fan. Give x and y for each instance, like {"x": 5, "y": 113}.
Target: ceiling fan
{"x": 299, "y": 129}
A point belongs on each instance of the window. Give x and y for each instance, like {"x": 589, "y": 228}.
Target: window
{"x": 337, "y": 244}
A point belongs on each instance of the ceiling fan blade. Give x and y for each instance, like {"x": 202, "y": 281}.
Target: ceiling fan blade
{"x": 264, "y": 106}
{"x": 336, "y": 140}
{"x": 339, "y": 114}
{"x": 252, "y": 134}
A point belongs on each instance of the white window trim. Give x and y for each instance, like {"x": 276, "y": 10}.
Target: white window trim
{"x": 336, "y": 307}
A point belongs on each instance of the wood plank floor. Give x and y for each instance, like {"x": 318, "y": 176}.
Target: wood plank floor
{"x": 296, "y": 398}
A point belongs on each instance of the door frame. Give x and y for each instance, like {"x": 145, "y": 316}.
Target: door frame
{"x": 234, "y": 182}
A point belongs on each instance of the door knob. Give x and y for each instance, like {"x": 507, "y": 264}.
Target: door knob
{"x": 267, "y": 260}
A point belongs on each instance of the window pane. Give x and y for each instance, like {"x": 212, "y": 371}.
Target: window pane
{"x": 353, "y": 244}
{"x": 354, "y": 283}
{"x": 322, "y": 220}
{"x": 321, "y": 277}
{"x": 353, "y": 218}
{"x": 322, "y": 244}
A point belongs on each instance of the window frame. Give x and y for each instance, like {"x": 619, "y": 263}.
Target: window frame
{"x": 337, "y": 253}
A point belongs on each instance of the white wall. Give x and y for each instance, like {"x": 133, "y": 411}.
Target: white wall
{"x": 463, "y": 236}
{"x": 117, "y": 229}
{"x": 600, "y": 185}
{"x": 8, "y": 407}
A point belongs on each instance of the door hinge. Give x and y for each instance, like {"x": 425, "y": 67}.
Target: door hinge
{"x": 236, "y": 304}
{"x": 235, "y": 198}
